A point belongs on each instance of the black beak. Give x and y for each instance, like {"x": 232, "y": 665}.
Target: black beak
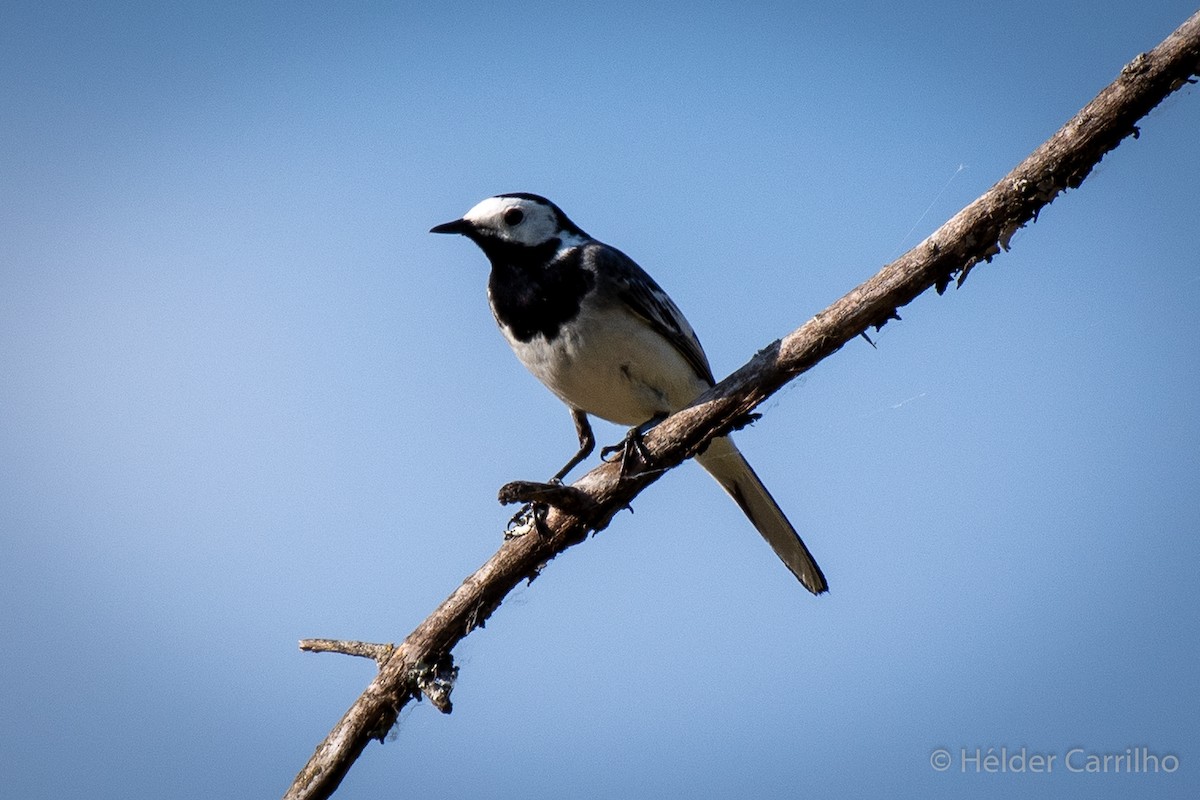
{"x": 455, "y": 226}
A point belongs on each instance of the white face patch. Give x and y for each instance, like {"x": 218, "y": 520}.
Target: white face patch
{"x": 515, "y": 219}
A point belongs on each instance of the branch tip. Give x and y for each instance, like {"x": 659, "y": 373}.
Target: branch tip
{"x": 379, "y": 653}
{"x": 565, "y": 498}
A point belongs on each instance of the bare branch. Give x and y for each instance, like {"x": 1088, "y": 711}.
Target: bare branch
{"x": 378, "y": 652}
{"x": 421, "y": 664}
{"x": 568, "y": 498}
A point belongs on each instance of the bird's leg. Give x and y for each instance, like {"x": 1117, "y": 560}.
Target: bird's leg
{"x": 632, "y": 444}
{"x": 587, "y": 443}
{"x": 534, "y": 511}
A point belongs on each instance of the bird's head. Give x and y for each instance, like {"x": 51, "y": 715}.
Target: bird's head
{"x": 519, "y": 220}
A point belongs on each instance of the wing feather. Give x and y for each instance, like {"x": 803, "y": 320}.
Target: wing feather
{"x": 646, "y": 298}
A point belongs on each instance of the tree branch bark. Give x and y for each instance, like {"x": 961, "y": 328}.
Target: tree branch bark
{"x": 422, "y": 665}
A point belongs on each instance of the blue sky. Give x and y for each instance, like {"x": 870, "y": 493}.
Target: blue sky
{"x": 248, "y": 399}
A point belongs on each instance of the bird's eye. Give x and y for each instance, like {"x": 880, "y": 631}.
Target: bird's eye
{"x": 513, "y": 216}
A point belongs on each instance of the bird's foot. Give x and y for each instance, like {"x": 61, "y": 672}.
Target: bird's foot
{"x": 632, "y": 446}
{"x": 531, "y": 518}
{"x": 536, "y": 500}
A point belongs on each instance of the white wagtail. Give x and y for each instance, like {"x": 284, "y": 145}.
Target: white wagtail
{"x": 592, "y": 326}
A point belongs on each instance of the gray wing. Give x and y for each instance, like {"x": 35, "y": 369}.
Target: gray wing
{"x": 647, "y": 299}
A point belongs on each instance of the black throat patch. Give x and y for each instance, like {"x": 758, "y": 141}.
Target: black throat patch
{"x": 531, "y": 291}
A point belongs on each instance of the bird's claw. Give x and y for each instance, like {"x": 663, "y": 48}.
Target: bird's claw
{"x": 530, "y": 517}
{"x": 631, "y": 447}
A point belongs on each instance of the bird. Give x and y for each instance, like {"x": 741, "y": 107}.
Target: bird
{"x": 603, "y": 336}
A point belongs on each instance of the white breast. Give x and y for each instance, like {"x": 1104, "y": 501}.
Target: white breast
{"x": 611, "y": 364}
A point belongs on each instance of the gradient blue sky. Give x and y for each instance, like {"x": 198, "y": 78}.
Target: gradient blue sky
{"x": 248, "y": 399}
